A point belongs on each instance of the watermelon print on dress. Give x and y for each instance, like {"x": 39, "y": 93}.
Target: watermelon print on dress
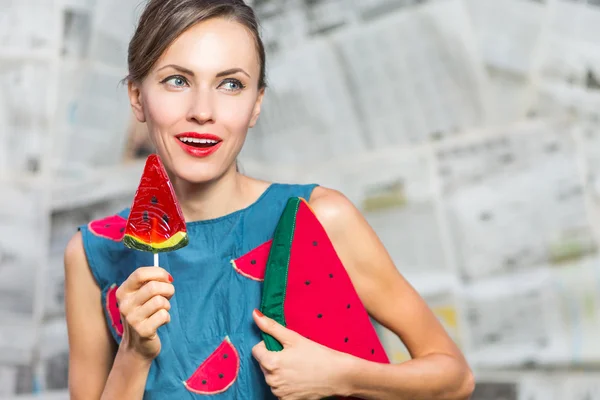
{"x": 112, "y": 227}
{"x": 155, "y": 223}
{"x": 252, "y": 265}
{"x": 308, "y": 290}
{"x": 113, "y": 309}
{"x": 218, "y": 372}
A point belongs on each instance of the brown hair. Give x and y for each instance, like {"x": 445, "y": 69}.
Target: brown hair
{"x": 163, "y": 21}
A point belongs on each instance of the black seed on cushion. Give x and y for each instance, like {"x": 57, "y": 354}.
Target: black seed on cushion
{"x": 154, "y": 200}
{"x": 346, "y": 340}
{"x": 315, "y": 243}
{"x": 372, "y": 351}
{"x": 225, "y": 356}
{"x": 221, "y": 376}
{"x": 107, "y": 226}
{"x": 165, "y": 218}
{"x": 204, "y": 382}
{"x": 348, "y": 306}
{"x": 320, "y": 316}
{"x": 307, "y": 283}
{"x": 253, "y": 262}
{"x": 146, "y": 218}
{"x": 331, "y": 275}
{"x": 122, "y": 230}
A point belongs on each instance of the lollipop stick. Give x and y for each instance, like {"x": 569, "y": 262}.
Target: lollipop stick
{"x": 156, "y": 259}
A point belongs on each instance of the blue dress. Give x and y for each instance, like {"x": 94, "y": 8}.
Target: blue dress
{"x": 213, "y": 300}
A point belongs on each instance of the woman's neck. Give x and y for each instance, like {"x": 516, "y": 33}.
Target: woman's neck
{"x": 229, "y": 193}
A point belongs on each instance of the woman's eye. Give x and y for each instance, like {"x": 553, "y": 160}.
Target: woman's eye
{"x": 232, "y": 85}
{"x": 177, "y": 81}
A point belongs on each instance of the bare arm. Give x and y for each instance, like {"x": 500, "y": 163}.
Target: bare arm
{"x": 437, "y": 369}
{"x": 92, "y": 350}
{"x": 128, "y": 376}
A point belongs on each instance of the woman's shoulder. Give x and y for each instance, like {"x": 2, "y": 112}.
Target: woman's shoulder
{"x": 331, "y": 206}
{"x": 345, "y": 224}
{"x": 102, "y": 231}
{"x": 333, "y": 209}
{"x": 99, "y": 243}
{"x": 278, "y": 192}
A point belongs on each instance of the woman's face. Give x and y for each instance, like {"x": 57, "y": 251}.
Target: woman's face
{"x": 200, "y": 98}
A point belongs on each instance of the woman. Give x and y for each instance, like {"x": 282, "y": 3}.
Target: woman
{"x": 197, "y": 79}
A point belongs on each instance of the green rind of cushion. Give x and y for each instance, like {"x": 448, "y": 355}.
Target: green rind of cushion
{"x": 175, "y": 242}
{"x": 275, "y": 283}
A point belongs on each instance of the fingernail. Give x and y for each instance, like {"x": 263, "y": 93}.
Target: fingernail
{"x": 170, "y": 278}
{"x": 260, "y": 315}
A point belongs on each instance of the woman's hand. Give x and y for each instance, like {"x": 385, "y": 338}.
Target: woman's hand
{"x": 144, "y": 305}
{"x": 303, "y": 369}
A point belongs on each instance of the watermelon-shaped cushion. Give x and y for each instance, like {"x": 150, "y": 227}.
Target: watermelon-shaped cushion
{"x": 307, "y": 289}
{"x": 155, "y": 223}
{"x": 218, "y": 372}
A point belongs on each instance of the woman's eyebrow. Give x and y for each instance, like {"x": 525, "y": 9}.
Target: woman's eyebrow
{"x": 178, "y": 68}
{"x": 231, "y": 72}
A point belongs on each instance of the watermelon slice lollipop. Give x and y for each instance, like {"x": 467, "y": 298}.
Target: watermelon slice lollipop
{"x": 155, "y": 222}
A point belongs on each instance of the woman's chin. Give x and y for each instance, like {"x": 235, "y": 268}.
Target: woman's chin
{"x": 197, "y": 174}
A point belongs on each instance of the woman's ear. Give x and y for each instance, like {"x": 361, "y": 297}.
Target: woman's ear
{"x": 135, "y": 98}
{"x": 257, "y": 105}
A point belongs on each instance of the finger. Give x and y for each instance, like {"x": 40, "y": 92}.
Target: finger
{"x": 283, "y": 335}
{"x": 147, "y": 328}
{"x": 148, "y": 309}
{"x": 143, "y": 275}
{"x": 152, "y": 289}
{"x": 267, "y": 360}
{"x": 130, "y": 302}
{"x": 264, "y": 371}
{"x": 259, "y": 352}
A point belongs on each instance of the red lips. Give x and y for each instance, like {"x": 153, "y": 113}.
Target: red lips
{"x": 199, "y": 144}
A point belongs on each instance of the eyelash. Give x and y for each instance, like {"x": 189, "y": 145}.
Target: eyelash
{"x": 185, "y": 81}
{"x": 167, "y": 79}
{"x": 237, "y": 82}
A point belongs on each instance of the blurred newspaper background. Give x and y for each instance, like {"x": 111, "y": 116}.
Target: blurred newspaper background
{"x": 466, "y": 130}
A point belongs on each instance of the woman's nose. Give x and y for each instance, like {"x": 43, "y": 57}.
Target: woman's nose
{"x": 201, "y": 108}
